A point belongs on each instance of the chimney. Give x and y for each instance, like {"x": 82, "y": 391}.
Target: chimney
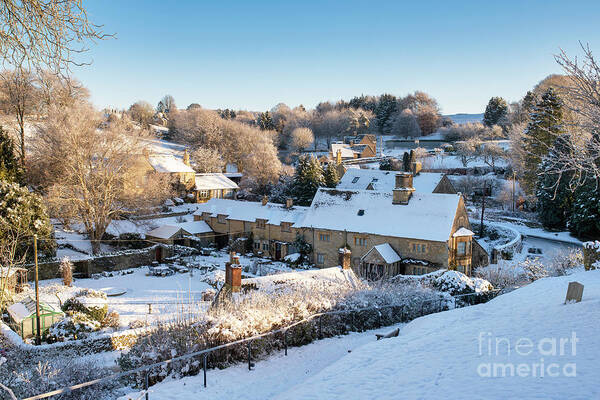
{"x": 186, "y": 157}
{"x": 416, "y": 168}
{"x": 265, "y": 200}
{"x": 338, "y": 156}
{"x": 289, "y": 202}
{"x": 404, "y": 188}
{"x": 233, "y": 275}
{"x": 345, "y": 257}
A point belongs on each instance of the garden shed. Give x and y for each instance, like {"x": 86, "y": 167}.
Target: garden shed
{"x": 13, "y": 279}
{"x": 23, "y": 318}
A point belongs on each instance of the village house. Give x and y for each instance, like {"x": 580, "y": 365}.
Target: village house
{"x": 374, "y": 179}
{"x": 214, "y": 186}
{"x": 178, "y": 168}
{"x": 402, "y": 231}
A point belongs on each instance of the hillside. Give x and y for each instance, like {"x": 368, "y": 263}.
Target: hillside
{"x": 465, "y": 118}
{"x": 435, "y": 357}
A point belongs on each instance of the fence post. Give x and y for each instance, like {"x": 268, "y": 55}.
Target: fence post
{"x": 146, "y": 384}
{"x": 285, "y": 340}
{"x": 249, "y": 362}
{"x": 320, "y": 327}
{"x": 204, "y": 367}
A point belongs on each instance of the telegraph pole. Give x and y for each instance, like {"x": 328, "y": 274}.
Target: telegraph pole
{"x": 38, "y": 336}
{"x": 513, "y": 191}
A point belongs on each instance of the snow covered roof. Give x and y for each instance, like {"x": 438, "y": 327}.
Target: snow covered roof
{"x": 169, "y": 230}
{"x": 251, "y": 211}
{"x": 424, "y": 182}
{"x": 427, "y": 216}
{"x": 386, "y": 251}
{"x": 164, "y": 231}
{"x": 19, "y": 311}
{"x": 168, "y": 164}
{"x": 231, "y": 168}
{"x": 326, "y": 276}
{"x": 212, "y": 181}
{"x": 163, "y": 147}
{"x": 462, "y": 232}
{"x": 347, "y": 152}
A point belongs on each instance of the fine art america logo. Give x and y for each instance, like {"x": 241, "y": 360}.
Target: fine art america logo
{"x": 525, "y": 357}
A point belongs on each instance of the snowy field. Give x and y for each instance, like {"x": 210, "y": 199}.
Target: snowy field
{"x": 468, "y": 353}
{"x": 442, "y": 160}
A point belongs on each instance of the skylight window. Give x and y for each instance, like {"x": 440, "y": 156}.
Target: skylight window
{"x": 355, "y": 179}
{"x": 361, "y": 213}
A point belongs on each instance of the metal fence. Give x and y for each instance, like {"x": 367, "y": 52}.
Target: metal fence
{"x": 349, "y": 320}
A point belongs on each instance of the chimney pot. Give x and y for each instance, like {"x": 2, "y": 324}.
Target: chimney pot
{"x": 404, "y": 188}
{"x": 265, "y": 200}
{"x": 289, "y": 202}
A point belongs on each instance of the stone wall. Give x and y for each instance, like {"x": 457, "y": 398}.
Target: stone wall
{"x": 113, "y": 262}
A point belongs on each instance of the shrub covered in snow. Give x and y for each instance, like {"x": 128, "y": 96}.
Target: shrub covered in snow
{"x": 502, "y": 275}
{"x": 93, "y": 303}
{"x": 452, "y": 282}
{"x": 75, "y": 325}
{"x": 561, "y": 264}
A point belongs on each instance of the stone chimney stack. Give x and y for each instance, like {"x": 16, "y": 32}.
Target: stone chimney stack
{"x": 265, "y": 200}
{"x": 338, "y": 156}
{"x": 233, "y": 275}
{"x": 416, "y": 168}
{"x": 289, "y": 202}
{"x": 404, "y": 188}
{"x": 186, "y": 157}
{"x": 345, "y": 258}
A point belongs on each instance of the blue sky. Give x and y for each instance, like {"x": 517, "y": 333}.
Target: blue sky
{"x": 252, "y": 55}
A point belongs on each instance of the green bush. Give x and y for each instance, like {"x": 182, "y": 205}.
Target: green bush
{"x": 89, "y": 302}
{"x": 76, "y": 325}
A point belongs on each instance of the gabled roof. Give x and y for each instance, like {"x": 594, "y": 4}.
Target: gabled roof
{"x": 25, "y": 308}
{"x": 347, "y": 152}
{"x": 214, "y": 181}
{"x": 463, "y": 232}
{"x": 386, "y": 252}
{"x": 190, "y": 228}
{"x": 168, "y": 164}
{"x": 427, "y": 216}
{"x": 374, "y": 179}
{"x": 250, "y": 211}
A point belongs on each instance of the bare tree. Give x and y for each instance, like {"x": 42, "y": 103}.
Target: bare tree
{"x": 46, "y": 34}
{"x": 492, "y": 153}
{"x": 20, "y": 97}
{"x": 583, "y": 99}
{"x": 57, "y": 90}
{"x": 94, "y": 175}
{"x": 467, "y": 151}
{"x": 302, "y": 138}
{"x": 207, "y": 160}
{"x": 141, "y": 112}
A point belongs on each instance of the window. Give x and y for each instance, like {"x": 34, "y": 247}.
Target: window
{"x": 324, "y": 237}
{"x": 206, "y": 216}
{"x": 286, "y": 227}
{"x": 204, "y": 194}
{"x": 355, "y": 179}
{"x": 419, "y": 248}
{"x": 265, "y": 246}
{"x": 360, "y": 241}
{"x": 320, "y": 258}
{"x": 461, "y": 268}
{"x": 257, "y": 245}
{"x": 260, "y": 223}
{"x": 227, "y": 193}
{"x": 375, "y": 180}
{"x": 461, "y": 248}
{"x": 221, "y": 218}
{"x": 361, "y": 213}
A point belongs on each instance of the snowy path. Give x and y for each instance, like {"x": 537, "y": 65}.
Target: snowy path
{"x": 270, "y": 377}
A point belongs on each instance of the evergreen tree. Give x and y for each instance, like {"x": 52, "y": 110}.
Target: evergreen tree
{"x": 10, "y": 168}
{"x": 495, "y": 112}
{"x": 545, "y": 125}
{"x": 584, "y": 221}
{"x": 307, "y": 180}
{"x": 265, "y": 121}
{"x": 330, "y": 176}
{"x": 554, "y": 195}
{"x": 406, "y": 161}
{"x": 23, "y": 214}
{"x": 387, "y": 105}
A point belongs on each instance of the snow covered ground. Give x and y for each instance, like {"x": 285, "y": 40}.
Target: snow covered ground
{"x": 525, "y": 344}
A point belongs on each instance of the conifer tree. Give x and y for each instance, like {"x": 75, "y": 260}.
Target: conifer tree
{"x": 330, "y": 176}
{"x": 495, "y": 112}
{"x": 584, "y": 220}
{"x": 545, "y": 125}
{"x": 307, "y": 180}
{"x": 10, "y": 169}
{"x": 554, "y": 194}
